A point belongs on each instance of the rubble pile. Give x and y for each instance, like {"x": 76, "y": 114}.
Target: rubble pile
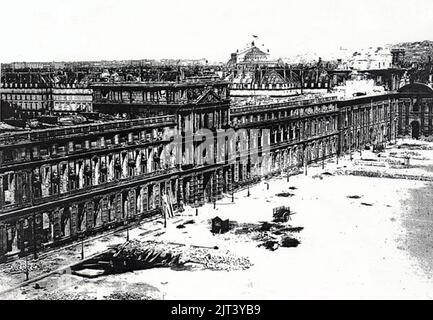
{"x": 293, "y": 229}
{"x": 244, "y": 228}
{"x": 137, "y": 255}
{"x": 59, "y": 295}
{"x": 354, "y": 197}
{"x": 217, "y": 261}
{"x": 183, "y": 225}
{"x": 271, "y": 235}
{"x": 285, "y": 194}
{"x": 413, "y": 146}
{"x": 408, "y": 154}
{"x": 19, "y": 266}
{"x": 289, "y": 242}
{"x": 270, "y": 245}
{"x": 263, "y": 236}
{"x": 189, "y": 222}
{"x": 266, "y": 226}
{"x": 206, "y": 257}
{"x": 121, "y": 295}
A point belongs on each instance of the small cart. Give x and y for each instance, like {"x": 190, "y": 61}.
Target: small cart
{"x": 282, "y": 214}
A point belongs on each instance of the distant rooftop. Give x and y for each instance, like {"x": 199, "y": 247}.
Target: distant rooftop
{"x": 162, "y": 84}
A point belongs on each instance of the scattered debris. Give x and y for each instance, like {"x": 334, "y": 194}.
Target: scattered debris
{"x": 57, "y": 295}
{"x": 270, "y": 235}
{"x": 366, "y": 204}
{"x": 278, "y": 232}
{"x": 219, "y": 262}
{"x": 132, "y": 255}
{"x": 294, "y": 229}
{"x": 219, "y": 225}
{"x": 245, "y": 229}
{"x": 37, "y": 286}
{"x": 285, "y": 194}
{"x": 189, "y": 222}
{"x": 121, "y": 295}
{"x": 183, "y": 225}
{"x": 136, "y": 255}
{"x": 354, "y": 197}
{"x": 270, "y": 245}
{"x": 266, "y": 226}
{"x": 288, "y": 242}
{"x": 19, "y": 266}
{"x": 413, "y": 146}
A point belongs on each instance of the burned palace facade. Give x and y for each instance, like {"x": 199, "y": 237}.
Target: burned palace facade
{"x": 176, "y": 144}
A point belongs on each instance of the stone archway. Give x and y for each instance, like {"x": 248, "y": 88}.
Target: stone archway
{"x": 415, "y": 129}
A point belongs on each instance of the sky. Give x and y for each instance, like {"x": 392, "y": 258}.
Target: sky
{"x": 66, "y": 30}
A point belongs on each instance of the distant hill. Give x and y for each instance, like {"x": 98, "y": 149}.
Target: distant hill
{"x": 416, "y": 51}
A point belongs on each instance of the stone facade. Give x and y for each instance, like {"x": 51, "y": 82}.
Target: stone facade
{"x": 61, "y": 184}
{"x": 27, "y": 101}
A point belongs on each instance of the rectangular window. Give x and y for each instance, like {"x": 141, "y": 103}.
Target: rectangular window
{"x": 6, "y": 183}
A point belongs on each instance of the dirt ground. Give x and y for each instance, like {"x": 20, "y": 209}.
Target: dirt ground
{"x": 362, "y": 238}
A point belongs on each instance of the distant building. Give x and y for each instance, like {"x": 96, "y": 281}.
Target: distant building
{"x": 144, "y": 99}
{"x": 72, "y": 99}
{"x": 254, "y": 73}
{"x": 372, "y": 59}
{"x": 252, "y": 54}
{"x": 27, "y": 101}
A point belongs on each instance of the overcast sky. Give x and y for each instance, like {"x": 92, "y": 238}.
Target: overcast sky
{"x": 47, "y": 30}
